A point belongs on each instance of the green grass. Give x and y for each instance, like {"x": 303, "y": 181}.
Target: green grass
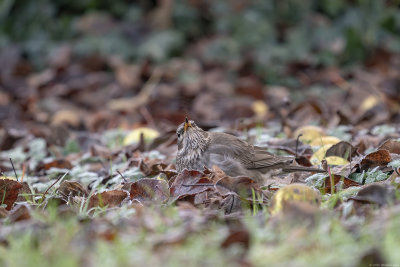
{"x": 166, "y": 237}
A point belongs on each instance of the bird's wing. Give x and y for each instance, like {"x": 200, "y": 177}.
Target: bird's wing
{"x": 251, "y": 157}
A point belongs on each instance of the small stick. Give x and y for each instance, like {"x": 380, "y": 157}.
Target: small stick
{"x": 23, "y": 171}
{"x": 12, "y": 164}
{"x": 233, "y": 202}
{"x": 122, "y": 176}
{"x": 297, "y": 144}
{"x": 350, "y": 155}
{"x": 58, "y": 179}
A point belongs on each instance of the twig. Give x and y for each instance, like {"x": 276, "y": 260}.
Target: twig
{"x": 23, "y": 171}
{"x": 122, "y": 176}
{"x": 351, "y": 140}
{"x": 233, "y": 202}
{"x": 12, "y": 164}
{"x": 332, "y": 179}
{"x": 58, "y": 179}
{"x": 297, "y": 144}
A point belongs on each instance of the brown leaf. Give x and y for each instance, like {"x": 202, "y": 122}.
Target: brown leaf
{"x": 110, "y": 199}
{"x": 241, "y": 237}
{"x": 3, "y": 213}
{"x": 337, "y": 178}
{"x": 303, "y": 161}
{"x": 19, "y": 213}
{"x": 25, "y": 193}
{"x": 380, "y": 194}
{"x": 250, "y": 86}
{"x": 154, "y": 167}
{"x": 9, "y": 190}
{"x": 67, "y": 118}
{"x": 189, "y": 183}
{"x": 149, "y": 190}
{"x": 391, "y": 145}
{"x": 364, "y": 142}
{"x": 57, "y": 163}
{"x": 378, "y": 158}
{"x": 342, "y": 149}
{"x": 69, "y": 189}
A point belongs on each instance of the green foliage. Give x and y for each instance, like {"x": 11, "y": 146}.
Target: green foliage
{"x": 273, "y": 32}
{"x": 370, "y": 176}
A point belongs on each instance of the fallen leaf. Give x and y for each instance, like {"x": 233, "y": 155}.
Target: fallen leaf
{"x": 319, "y": 155}
{"x": 336, "y": 161}
{"x": 112, "y": 198}
{"x": 70, "y": 189}
{"x": 260, "y": 109}
{"x": 9, "y": 190}
{"x": 338, "y": 178}
{"x": 293, "y": 193}
{"x": 378, "y": 158}
{"x": 237, "y": 237}
{"x": 391, "y": 145}
{"x": 380, "y": 194}
{"x": 25, "y": 193}
{"x": 309, "y": 133}
{"x": 19, "y": 213}
{"x": 57, "y": 163}
{"x": 134, "y": 136}
{"x": 189, "y": 183}
{"x": 325, "y": 140}
{"x": 342, "y": 149}
{"x": 66, "y": 117}
{"x": 149, "y": 190}
{"x": 369, "y": 102}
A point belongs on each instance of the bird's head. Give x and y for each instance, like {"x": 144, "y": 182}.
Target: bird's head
{"x": 189, "y": 134}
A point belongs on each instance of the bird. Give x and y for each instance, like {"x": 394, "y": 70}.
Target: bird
{"x": 198, "y": 149}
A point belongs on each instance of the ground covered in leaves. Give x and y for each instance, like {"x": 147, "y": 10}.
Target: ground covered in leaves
{"x": 88, "y": 139}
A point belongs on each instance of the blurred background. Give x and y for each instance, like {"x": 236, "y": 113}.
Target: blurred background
{"x": 92, "y": 65}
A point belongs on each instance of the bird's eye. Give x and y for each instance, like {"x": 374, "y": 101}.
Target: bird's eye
{"x": 179, "y": 135}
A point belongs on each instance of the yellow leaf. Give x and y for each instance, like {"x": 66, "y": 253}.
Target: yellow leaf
{"x": 309, "y": 133}
{"x": 260, "y": 108}
{"x": 319, "y": 154}
{"x": 325, "y": 140}
{"x": 134, "y": 136}
{"x": 369, "y": 102}
{"x": 8, "y": 177}
{"x": 293, "y": 193}
{"x": 335, "y": 160}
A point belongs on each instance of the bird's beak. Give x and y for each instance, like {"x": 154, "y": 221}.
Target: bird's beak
{"x": 187, "y": 124}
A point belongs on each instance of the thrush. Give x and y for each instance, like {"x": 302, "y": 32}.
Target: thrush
{"x": 198, "y": 149}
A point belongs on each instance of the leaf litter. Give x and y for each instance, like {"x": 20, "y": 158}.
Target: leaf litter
{"x": 107, "y": 126}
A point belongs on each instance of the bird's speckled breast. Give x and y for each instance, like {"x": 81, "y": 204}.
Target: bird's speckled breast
{"x": 191, "y": 156}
